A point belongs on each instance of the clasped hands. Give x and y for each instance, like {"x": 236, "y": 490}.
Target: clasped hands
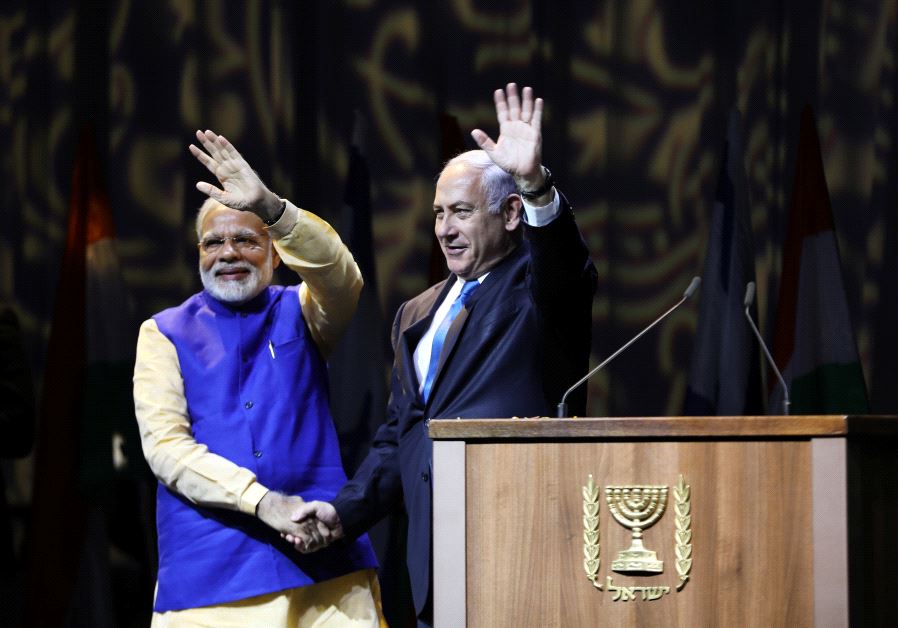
{"x": 307, "y": 526}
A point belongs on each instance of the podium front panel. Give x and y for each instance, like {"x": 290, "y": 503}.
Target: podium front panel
{"x": 748, "y": 524}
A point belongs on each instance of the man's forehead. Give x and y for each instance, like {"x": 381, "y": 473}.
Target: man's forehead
{"x": 226, "y": 221}
{"x": 458, "y": 184}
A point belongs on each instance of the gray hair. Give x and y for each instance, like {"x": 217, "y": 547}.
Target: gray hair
{"x": 208, "y": 205}
{"x": 495, "y": 183}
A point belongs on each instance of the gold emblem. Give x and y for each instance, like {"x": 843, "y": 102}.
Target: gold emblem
{"x": 636, "y": 508}
{"x": 683, "y": 520}
{"x": 591, "y": 559}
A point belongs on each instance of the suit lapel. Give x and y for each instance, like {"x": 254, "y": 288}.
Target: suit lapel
{"x": 483, "y": 294}
{"x": 416, "y": 319}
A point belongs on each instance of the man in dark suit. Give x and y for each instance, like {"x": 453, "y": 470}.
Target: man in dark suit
{"x": 504, "y": 335}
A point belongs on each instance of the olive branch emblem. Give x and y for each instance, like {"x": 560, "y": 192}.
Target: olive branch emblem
{"x": 591, "y": 545}
{"x": 683, "y": 532}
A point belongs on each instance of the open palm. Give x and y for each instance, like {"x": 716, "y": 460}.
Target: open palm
{"x": 518, "y": 150}
{"x": 241, "y": 188}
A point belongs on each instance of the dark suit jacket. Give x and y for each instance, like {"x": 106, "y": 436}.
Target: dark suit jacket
{"x": 520, "y": 341}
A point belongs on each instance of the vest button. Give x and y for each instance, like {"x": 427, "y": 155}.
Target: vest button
{"x": 257, "y": 454}
{"x": 248, "y": 405}
{"x": 424, "y": 476}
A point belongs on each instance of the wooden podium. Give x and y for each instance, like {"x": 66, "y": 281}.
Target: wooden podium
{"x": 777, "y": 521}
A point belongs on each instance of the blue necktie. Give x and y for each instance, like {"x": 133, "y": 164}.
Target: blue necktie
{"x": 440, "y": 336}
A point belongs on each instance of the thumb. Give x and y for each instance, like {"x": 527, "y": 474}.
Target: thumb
{"x": 210, "y": 190}
{"x": 306, "y": 511}
{"x": 483, "y": 140}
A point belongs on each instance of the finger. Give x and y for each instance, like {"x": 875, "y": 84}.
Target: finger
{"x": 298, "y": 543}
{"x": 483, "y": 140}
{"x": 310, "y": 531}
{"x": 310, "y": 545}
{"x": 212, "y": 144}
{"x": 501, "y": 106}
{"x": 314, "y": 535}
{"x": 212, "y": 192}
{"x": 325, "y": 532}
{"x": 201, "y": 137}
{"x": 227, "y": 149}
{"x": 527, "y": 104}
{"x": 536, "y": 120}
{"x": 514, "y": 103}
{"x": 301, "y": 536}
{"x": 203, "y": 158}
{"x": 207, "y": 139}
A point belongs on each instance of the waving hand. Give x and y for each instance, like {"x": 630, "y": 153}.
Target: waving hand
{"x": 518, "y": 150}
{"x": 241, "y": 188}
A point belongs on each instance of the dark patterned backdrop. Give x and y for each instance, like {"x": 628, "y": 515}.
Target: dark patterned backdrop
{"x": 637, "y": 97}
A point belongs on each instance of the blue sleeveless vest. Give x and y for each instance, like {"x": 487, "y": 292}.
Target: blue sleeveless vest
{"x": 256, "y": 389}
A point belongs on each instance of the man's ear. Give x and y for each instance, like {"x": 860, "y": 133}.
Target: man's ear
{"x": 275, "y": 258}
{"x": 512, "y": 209}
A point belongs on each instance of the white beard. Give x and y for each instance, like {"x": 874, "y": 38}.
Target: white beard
{"x": 238, "y": 291}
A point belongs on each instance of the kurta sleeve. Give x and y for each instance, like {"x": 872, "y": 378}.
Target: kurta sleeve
{"x": 331, "y": 278}
{"x": 175, "y": 457}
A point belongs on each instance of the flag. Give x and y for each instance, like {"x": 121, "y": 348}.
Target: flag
{"x": 87, "y": 416}
{"x": 358, "y": 364}
{"x": 58, "y": 510}
{"x": 725, "y": 376}
{"x": 358, "y": 370}
{"x": 813, "y": 343}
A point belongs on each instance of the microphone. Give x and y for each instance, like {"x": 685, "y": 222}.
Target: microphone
{"x": 562, "y": 406}
{"x": 749, "y": 299}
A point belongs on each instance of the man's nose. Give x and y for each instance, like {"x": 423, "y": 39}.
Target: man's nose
{"x": 228, "y": 250}
{"x": 444, "y": 228}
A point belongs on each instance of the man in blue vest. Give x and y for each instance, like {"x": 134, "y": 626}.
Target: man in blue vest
{"x": 230, "y": 391}
{"x": 504, "y": 335}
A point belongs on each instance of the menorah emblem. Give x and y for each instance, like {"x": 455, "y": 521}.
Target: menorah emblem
{"x": 637, "y": 508}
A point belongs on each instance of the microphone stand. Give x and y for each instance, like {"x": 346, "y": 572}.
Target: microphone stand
{"x": 562, "y": 406}
{"x": 749, "y": 299}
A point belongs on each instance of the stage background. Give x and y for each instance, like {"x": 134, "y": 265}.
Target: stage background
{"x": 637, "y": 97}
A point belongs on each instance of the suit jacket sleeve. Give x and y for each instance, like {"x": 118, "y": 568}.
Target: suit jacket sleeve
{"x": 376, "y": 487}
{"x": 562, "y": 283}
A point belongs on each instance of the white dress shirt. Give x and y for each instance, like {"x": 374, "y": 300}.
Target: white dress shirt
{"x": 533, "y": 216}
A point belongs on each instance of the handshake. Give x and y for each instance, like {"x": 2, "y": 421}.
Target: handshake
{"x": 307, "y": 526}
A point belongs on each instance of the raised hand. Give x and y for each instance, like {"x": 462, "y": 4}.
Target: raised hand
{"x": 275, "y": 510}
{"x": 241, "y": 188}
{"x": 518, "y": 150}
{"x": 326, "y": 519}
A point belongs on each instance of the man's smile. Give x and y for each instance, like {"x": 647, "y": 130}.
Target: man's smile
{"x": 232, "y": 273}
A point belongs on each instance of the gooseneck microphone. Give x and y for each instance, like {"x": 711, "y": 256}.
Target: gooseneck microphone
{"x": 749, "y": 299}
{"x": 562, "y": 406}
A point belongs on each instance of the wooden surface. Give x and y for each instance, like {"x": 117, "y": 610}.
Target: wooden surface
{"x": 664, "y": 427}
{"x": 751, "y": 523}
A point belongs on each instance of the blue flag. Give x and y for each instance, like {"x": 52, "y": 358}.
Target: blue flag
{"x": 725, "y": 378}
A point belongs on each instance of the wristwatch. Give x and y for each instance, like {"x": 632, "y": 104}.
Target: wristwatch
{"x": 278, "y": 215}
{"x": 546, "y": 186}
